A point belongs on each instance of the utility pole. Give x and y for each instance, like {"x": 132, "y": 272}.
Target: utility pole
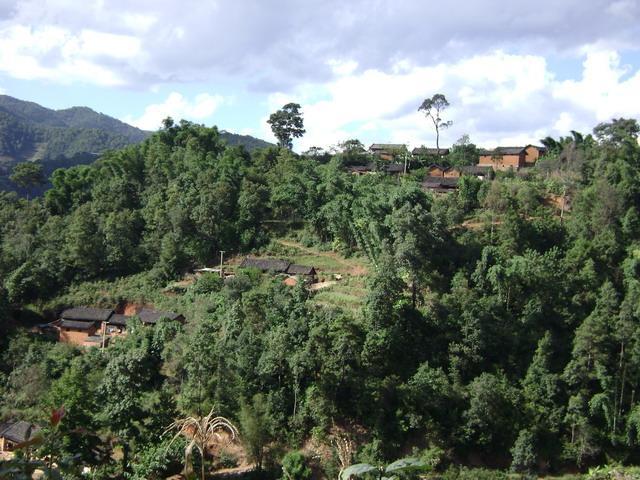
{"x": 104, "y": 332}
{"x": 221, "y": 256}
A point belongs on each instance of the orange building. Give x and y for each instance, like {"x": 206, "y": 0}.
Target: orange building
{"x": 505, "y": 158}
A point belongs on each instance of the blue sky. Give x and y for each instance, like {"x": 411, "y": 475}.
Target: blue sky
{"x": 514, "y": 71}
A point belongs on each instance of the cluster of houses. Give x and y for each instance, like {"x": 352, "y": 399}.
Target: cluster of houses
{"x": 444, "y": 179}
{"x": 89, "y": 326}
{"x": 294, "y": 272}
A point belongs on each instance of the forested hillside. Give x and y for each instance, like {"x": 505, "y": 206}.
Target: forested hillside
{"x": 64, "y": 138}
{"x": 498, "y": 330}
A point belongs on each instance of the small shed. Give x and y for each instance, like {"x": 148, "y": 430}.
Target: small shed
{"x": 15, "y": 433}
{"x": 394, "y": 168}
{"x": 302, "y": 271}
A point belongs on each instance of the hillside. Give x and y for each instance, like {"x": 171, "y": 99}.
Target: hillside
{"x": 72, "y": 136}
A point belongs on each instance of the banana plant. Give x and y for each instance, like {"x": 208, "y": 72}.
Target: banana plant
{"x": 382, "y": 472}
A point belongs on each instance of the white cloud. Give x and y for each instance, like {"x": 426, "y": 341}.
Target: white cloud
{"x": 282, "y": 42}
{"x": 54, "y": 53}
{"x": 177, "y": 107}
{"x": 497, "y": 98}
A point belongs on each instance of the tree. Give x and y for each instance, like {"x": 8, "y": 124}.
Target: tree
{"x": 256, "y": 428}
{"x": 287, "y": 124}
{"x": 203, "y": 432}
{"x": 27, "y": 174}
{"x": 433, "y": 108}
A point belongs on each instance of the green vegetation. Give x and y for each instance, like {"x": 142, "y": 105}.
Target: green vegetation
{"x": 65, "y": 138}
{"x": 492, "y": 326}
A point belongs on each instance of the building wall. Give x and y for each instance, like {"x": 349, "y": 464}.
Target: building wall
{"x": 503, "y": 162}
{"x": 435, "y": 172}
{"x": 452, "y": 173}
{"x": 532, "y": 154}
{"x": 75, "y": 337}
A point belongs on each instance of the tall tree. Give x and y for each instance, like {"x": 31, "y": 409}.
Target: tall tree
{"x": 433, "y": 108}
{"x": 27, "y": 175}
{"x": 287, "y": 124}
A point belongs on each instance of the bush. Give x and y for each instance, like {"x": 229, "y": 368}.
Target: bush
{"x": 294, "y": 467}
{"x": 208, "y": 283}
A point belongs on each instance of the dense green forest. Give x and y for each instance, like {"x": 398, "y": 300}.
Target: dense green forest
{"x": 69, "y": 137}
{"x": 498, "y": 330}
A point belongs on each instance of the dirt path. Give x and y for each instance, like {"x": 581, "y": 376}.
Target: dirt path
{"x": 349, "y": 267}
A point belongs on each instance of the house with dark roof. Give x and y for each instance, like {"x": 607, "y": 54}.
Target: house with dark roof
{"x": 77, "y": 324}
{"x": 308, "y": 274}
{"x": 394, "y": 168}
{"x": 15, "y": 433}
{"x": 388, "y": 151}
{"x": 440, "y": 184}
{"x": 505, "y": 158}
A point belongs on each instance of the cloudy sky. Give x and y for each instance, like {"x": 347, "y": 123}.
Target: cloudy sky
{"x": 514, "y": 71}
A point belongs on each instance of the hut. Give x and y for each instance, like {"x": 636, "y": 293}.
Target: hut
{"x": 308, "y": 274}
{"x": 14, "y": 433}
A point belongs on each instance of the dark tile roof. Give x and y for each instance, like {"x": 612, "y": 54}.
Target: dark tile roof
{"x": 440, "y": 182}
{"x": 87, "y": 314}
{"x": 266, "y": 264}
{"x": 394, "y": 167}
{"x": 429, "y": 151}
{"x": 78, "y": 324}
{"x": 388, "y": 146}
{"x": 437, "y": 165}
{"x": 503, "y": 151}
{"x": 118, "y": 320}
{"x": 300, "y": 270}
{"x": 18, "y": 432}
{"x": 147, "y": 315}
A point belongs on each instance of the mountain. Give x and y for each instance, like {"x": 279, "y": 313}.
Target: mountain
{"x": 72, "y": 136}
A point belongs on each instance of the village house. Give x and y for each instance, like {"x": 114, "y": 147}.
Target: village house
{"x": 82, "y": 325}
{"x": 88, "y": 326}
{"x": 15, "y": 433}
{"x": 440, "y": 184}
{"x": 388, "y": 151}
{"x": 308, "y": 274}
{"x": 505, "y": 158}
{"x": 275, "y": 265}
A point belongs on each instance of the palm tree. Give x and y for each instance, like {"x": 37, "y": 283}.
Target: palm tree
{"x": 203, "y": 432}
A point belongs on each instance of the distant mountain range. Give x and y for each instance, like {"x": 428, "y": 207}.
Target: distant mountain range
{"x": 63, "y": 138}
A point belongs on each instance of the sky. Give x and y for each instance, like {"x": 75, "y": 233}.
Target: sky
{"x": 513, "y": 71}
